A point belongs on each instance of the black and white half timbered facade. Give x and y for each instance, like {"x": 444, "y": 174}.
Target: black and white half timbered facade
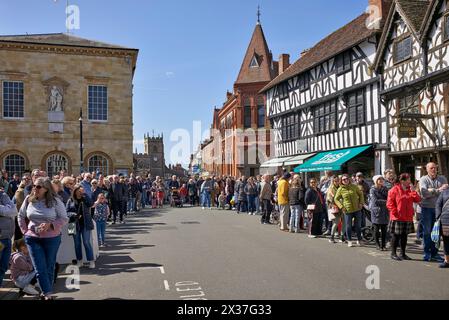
{"x": 329, "y": 100}
{"x": 413, "y": 58}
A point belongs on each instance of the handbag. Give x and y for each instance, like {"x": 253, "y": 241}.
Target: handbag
{"x": 311, "y": 207}
{"x": 72, "y": 228}
{"x": 435, "y": 235}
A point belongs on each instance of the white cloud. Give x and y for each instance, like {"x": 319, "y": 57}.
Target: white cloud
{"x": 170, "y": 74}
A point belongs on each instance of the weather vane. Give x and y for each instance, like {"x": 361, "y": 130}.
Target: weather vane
{"x": 258, "y": 14}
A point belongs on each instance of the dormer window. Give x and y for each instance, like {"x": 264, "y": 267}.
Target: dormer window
{"x": 402, "y": 49}
{"x": 254, "y": 62}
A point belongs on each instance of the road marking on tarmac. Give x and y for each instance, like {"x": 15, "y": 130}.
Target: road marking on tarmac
{"x": 167, "y": 287}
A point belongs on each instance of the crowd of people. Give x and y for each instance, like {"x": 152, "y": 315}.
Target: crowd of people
{"x": 339, "y": 206}
{"x": 34, "y": 210}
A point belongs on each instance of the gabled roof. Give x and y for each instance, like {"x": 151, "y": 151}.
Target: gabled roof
{"x": 426, "y": 25}
{"x": 344, "y": 38}
{"x": 63, "y": 39}
{"x": 258, "y": 47}
{"x": 413, "y": 12}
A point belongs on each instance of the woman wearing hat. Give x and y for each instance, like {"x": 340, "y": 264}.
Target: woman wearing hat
{"x": 379, "y": 212}
{"x": 400, "y": 204}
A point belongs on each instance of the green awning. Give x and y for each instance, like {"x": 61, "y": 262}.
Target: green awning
{"x": 331, "y": 160}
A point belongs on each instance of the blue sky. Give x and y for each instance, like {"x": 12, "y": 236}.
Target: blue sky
{"x": 190, "y": 51}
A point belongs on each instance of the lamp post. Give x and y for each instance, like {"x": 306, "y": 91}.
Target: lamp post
{"x": 81, "y": 141}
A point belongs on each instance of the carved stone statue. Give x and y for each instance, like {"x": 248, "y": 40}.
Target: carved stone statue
{"x": 56, "y": 99}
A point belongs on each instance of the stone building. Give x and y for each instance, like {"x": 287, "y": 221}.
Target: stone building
{"x": 46, "y": 81}
{"x": 152, "y": 161}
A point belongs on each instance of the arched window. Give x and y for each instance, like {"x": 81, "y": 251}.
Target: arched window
{"x": 98, "y": 163}
{"x": 55, "y": 163}
{"x": 14, "y": 163}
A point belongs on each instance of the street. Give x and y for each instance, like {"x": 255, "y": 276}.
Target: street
{"x": 176, "y": 254}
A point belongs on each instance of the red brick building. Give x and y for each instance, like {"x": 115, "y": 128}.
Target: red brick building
{"x": 241, "y": 130}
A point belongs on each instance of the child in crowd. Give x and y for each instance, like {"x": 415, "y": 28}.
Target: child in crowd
{"x": 100, "y": 217}
{"x": 183, "y": 193}
{"x": 22, "y": 271}
{"x": 160, "y": 194}
{"x": 222, "y": 201}
{"x": 153, "y": 195}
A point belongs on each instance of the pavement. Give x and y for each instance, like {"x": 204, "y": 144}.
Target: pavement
{"x": 194, "y": 254}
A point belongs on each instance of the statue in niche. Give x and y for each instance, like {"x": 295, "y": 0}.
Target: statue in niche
{"x": 56, "y": 99}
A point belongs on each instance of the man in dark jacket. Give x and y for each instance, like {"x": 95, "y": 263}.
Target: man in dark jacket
{"x": 117, "y": 195}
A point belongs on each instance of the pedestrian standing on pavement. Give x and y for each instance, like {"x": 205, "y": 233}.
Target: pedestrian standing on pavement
{"x": 87, "y": 186}
{"x": 229, "y": 191}
{"x": 442, "y": 214}
{"x": 132, "y": 196}
{"x": 101, "y": 217}
{"x": 242, "y": 204}
{"x": 191, "y": 190}
{"x": 41, "y": 219}
{"x": 432, "y": 185}
{"x": 315, "y": 205}
{"x": 251, "y": 192}
{"x": 296, "y": 197}
{"x": 59, "y": 190}
{"x": 8, "y": 213}
{"x": 116, "y": 197}
{"x": 350, "y": 200}
{"x": 67, "y": 186}
{"x": 334, "y": 211}
{"x": 78, "y": 208}
{"x": 266, "y": 198}
{"x": 379, "y": 212}
{"x": 283, "y": 201}
{"x": 19, "y": 197}
{"x": 390, "y": 179}
{"x": 206, "y": 188}
{"x": 325, "y": 183}
{"x": 14, "y": 183}
{"x": 400, "y": 205}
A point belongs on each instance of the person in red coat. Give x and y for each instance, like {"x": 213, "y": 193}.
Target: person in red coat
{"x": 400, "y": 205}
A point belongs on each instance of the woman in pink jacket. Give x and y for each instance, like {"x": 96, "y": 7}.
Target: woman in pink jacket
{"x": 400, "y": 205}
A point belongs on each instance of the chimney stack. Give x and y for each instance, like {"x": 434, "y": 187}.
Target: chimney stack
{"x": 284, "y": 62}
{"x": 378, "y": 10}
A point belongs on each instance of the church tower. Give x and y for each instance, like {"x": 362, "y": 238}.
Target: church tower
{"x": 154, "y": 149}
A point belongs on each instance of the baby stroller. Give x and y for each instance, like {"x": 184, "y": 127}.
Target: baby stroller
{"x": 368, "y": 231}
{"x": 176, "y": 200}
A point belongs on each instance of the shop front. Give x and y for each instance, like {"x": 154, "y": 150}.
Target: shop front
{"x": 415, "y": 163}
{"x": 349, "y": 161}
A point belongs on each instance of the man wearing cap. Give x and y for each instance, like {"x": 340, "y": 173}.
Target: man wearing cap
{"x": 283, "y": 201}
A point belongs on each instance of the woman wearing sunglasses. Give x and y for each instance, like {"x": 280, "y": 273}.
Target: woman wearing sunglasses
{"x": 349, "y": 199}
{"x": 41, "y": 219}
